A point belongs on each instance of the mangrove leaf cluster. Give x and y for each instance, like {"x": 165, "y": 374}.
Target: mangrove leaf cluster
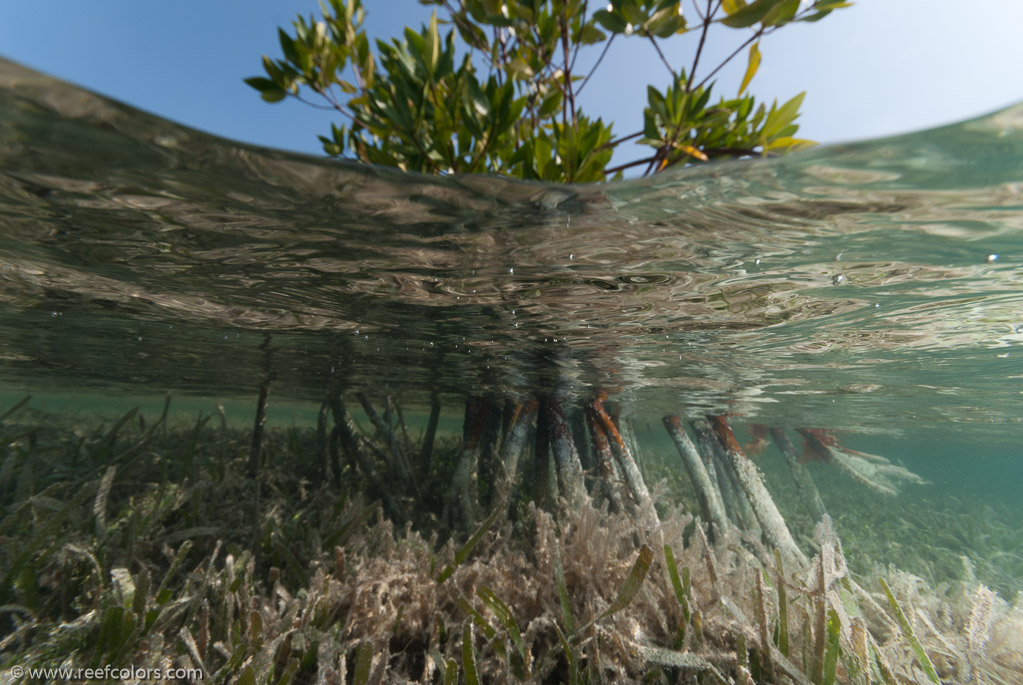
{"x": 498, "y": 91}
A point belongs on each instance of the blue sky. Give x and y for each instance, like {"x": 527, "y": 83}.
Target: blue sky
{"x": 880, "y": 67}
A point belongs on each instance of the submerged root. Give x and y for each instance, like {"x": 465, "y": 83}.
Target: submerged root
{"x": 872, "y": 470}
{"x": 775, "y": 530}
{"x": 707, "y": 492}
{"x": 601, "y": 422}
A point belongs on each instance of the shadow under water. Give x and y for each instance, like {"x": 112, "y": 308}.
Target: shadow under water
{"x": 474, "y": 428}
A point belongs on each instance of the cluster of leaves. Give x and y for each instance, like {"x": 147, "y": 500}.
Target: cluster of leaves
{"x": 504, "y": 97}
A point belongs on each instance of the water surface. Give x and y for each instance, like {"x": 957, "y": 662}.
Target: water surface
{"x": 873, "y": 287}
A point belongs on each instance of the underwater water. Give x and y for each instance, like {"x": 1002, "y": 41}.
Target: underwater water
{"x": 873, "y": 290}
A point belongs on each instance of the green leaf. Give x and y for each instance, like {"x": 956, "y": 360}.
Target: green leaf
{"x": 504, "y": 107}
{"x": 273, "y": 70}
{"x": 781, "y": 13}
{"x": 433, "y": 44}
{"x": 666, "y": 22}
{"x": 676, "y": 581}
{"x": 514, "y": 112}
{"x": 518, "y": 69}
{"x": 504, "y": 615}
{"x": 479, "y": 100}
{"x": 632, "y": 583}
{"x": 416, "y": 48}
{"x": 816, "y": 16}
{"x": 824, "y": 9}
{"x": 563, "y": 597}
{"x": 467, "y": 548}
{"x": 261, "y": 84}
{"x": 611, "y": 22}
{"x": 590, "y": 34}
{"x": 633, "y": 13}
{"x": 330, "y": 147}
{"x": 779, "y": 118}
{"x": 754, "y": 64}
{"x": 472, "y": 34}
{"x": 830, "y": 5}
{"x": 675, "y": 24}
{"x": 907, "y": 632}
{"x": 551, "y": 103}
{"x": 288, "y": 46}
{"x": 789, "y": 144}
{"x": 650, "y": 130}
{"x": 451, "y": 672}
{"x": 570, "y": 654}
{"x": 526, "y": 11}
{"x": 247, "y": 677}
{"x": 477, "y": 618}
{"x": 363, "y": 661}
{"x": 703, "y": 96}
{"x": 657, "y": 104}
{"x": 831, "y": 648}
{"x": 469, "y": 657}
{"x": 750, "y": 14}
{"x": 783, "y": 607}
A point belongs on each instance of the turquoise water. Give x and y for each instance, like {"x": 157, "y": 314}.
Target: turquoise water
{"x": 875, "y": 288}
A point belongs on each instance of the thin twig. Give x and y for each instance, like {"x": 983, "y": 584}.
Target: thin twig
{"x": 618, "y": 141}
{"x": 579, "y": 45}
{"x": 696, "y": 6}
{"x": 734, "y": 151}
{"x": 357, "y": 71}
{"x": 329, "y": 107}
{"x": 490, "y": 135}
{"x": 661, "y": 54}
{"x": 598, "y": 59}
{"x": 762, "y": 31}
{"x": 653, "y": 166}
{"x": 628, "y": 165}
{"x": 566, "y": 50}
{"x": 500, "y": 41}
{"x": 756, "y": 36}
{"x": 461, "y": 21}
{"x": 334, "y": 105}
{"x": 703, "y": 37}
